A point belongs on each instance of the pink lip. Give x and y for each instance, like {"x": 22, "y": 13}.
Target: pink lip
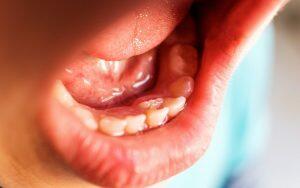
{"x": 156, "y": 155}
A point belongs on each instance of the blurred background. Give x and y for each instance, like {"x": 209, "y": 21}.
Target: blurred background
{"x": 281, "y": 164}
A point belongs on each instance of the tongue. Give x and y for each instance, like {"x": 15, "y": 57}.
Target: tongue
{"x": 138, "y": 31}
{"x": 101, "y": 84}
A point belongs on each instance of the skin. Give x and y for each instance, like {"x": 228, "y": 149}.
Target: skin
{"x": 34, "y": 46}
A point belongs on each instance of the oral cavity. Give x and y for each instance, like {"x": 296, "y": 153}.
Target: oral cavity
{"x": 158, "y": 106}
{"x": 160, "y": 102}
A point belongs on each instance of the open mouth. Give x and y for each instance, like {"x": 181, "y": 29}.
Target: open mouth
{"x": 148, "y": 112}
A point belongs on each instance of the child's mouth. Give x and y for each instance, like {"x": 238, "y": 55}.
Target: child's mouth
{"x": 150, "y": 116}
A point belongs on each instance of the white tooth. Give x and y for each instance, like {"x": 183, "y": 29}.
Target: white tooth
{"x": 156, "y": 117}
{"x": 175, "y": 105}
{"x": 153, "y": 103}
{"x": 135, "y": 123}
{"x": 183, "y": 86}
{"x": 86, "y": 117}
{"x": 62, "y": 95}
{"x": 112, "y": 126}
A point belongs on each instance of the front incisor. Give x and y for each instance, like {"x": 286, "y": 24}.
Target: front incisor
{"x": 62, "y": 95}
{"x": 86, "y": 117}
{"x": 112, "y": 126}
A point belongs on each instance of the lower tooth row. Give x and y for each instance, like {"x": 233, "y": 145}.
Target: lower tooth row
{"x": 175, "y": 105}
{"x": 157, "y": 117}
{"x": 112, "y": 126}
{"x": 153, "y": 117}
{"x": 135, "y": 123}
{"x": 156, "y": 111}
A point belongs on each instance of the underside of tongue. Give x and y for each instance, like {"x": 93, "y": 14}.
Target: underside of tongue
{"x": 101, "y": 84}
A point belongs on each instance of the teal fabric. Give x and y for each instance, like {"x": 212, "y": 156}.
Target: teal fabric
{"x": 243, "y": 125}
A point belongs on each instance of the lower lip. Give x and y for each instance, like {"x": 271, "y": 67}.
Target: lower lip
{"x": 136, "y": 160}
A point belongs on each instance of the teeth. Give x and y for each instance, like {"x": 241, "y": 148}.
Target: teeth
{"x": 183, "y": 86}
{"x": 86, "y": 117}
{"x": 151, "y": 104}
{"x": 62, "y": 95}
{"x": 175, "y": 105}
{"x": 112, "y": 126}
{"x": 156, "y": 117}
{"x": 135, "y": 123}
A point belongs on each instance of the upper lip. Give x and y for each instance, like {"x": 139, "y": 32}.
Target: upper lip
{"x": 112, "y": 161}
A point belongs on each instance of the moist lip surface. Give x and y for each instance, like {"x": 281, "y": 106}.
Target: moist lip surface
{"x": 156, "y": 155}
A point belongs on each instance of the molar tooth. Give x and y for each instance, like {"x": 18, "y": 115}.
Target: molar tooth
{"x": 183, "y": 86}
{"x": 86, "y": 117}
{"x": 175, "y": 105}
{"x": 135, "y": 123}
{"x": 151, "y": 104}
{"x": 112, "y": 126}
{"x": 156, "y": 117}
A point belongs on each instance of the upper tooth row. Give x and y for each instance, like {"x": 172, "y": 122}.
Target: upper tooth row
{"x": 157, "y": 112}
